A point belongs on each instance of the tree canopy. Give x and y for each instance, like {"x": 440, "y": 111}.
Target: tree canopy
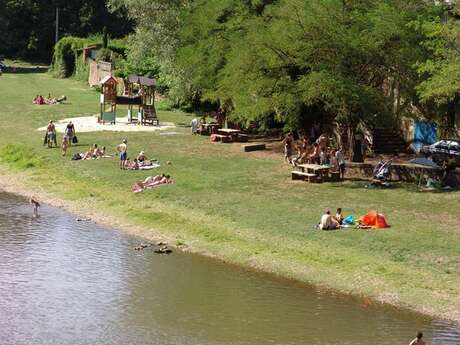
{"x": 28, "y": 26}
{"x": 361, "y": 60}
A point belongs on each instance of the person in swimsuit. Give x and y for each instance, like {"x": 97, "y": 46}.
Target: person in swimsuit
{"x": 123, "y": 150}
{"x": 328, "y": 222}
{"x": 141, "y": 158}
{"x": 70, "y": 132}
{"x": 339, "y": 215}
{"x": 51, "y": 134}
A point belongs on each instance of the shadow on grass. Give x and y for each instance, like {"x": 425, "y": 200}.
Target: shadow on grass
{"x": 26, "y": 70}
{"x": 405, "y": 186}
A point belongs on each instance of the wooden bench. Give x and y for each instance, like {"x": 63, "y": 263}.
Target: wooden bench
{"x": 242, "y": 138}
{"x": 300, "y": 175}
{"x": 334, "y": 176}
{"x": 253, "y": 147}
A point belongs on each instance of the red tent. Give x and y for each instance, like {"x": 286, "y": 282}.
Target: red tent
{"x": 375, "y": 220}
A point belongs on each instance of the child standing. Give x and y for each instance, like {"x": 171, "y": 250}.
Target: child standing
{"x": 65, "y": 144}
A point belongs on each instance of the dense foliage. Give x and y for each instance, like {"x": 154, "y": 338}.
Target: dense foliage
{"x": 67, "y": 56}
{"x": 28, "y": 26}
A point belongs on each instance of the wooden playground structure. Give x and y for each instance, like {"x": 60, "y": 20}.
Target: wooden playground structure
{"x": 138, "y": 94}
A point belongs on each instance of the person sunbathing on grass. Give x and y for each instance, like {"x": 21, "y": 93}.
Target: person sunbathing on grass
{"x": 39, "y": 100}
{"x": 141, "y": 157}
{"x": 134, "y": 165}
{"x": 101, "y": 152}
{"x": 151, "y": 182}
{"x": 95, "y": 151}
{"x": 89, "y": 154}
{"x": 339, "y": 216}
{"x": 328, "y": 222}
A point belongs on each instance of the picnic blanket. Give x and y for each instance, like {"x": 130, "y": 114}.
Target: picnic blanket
{"x": 149, "y": 167}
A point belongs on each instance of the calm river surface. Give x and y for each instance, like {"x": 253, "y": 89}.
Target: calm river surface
{"x": 69, "y": 282}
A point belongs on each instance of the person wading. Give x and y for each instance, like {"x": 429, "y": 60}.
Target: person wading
{"x": 418, "y": 340}
{"x": 35, "y": 205}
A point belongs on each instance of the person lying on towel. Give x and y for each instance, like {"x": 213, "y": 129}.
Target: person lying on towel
{"x": 151, "y": 182}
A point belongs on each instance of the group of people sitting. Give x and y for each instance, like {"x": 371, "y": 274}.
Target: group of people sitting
{"x": 40, "y": 100}
{"x": 371, "y": 220}
{"x": 93, "y": 153}
{"x": 318, "y": 152}
{"x": 331, "y": 222}
{"x": 151, "y": 182}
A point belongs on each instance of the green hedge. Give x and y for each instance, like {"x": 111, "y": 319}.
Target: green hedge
{"x": 67, "y": 59}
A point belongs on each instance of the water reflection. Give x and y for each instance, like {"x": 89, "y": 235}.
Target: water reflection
{"x": 69, "y": 282}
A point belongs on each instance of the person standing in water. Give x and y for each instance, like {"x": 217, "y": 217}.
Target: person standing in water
{"x": 35, "y": 205}
{"x": 123, "y": 150}
{"x": 418, "y": 340}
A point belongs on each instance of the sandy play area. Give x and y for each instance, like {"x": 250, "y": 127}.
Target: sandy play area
{"x": 90, "y": 124}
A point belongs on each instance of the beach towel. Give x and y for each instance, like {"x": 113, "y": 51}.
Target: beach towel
{"x": 149, "y": 167}
{"x": 374, "y": 220}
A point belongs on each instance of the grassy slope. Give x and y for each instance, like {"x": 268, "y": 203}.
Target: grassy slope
{"x": 244, "y": 207}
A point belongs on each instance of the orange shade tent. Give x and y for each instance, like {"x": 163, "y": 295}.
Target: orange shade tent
{"x": 375, "y": 220}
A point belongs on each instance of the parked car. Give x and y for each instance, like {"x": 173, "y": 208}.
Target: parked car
{"x": 442, "y": 149}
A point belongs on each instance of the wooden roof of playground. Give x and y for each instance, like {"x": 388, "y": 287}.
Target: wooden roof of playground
{"x": 144, "y": 81}
{"x": 106, "y": 79}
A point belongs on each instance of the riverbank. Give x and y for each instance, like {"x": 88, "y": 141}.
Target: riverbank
{"x": 239, "y": 207}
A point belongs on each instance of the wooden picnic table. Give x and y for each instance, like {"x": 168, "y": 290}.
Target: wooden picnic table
{"x": 209, "y": 128}
{"x": 322, "y": 171}
{"x": 229, "y": 131}
{"x": 233, "y": 134}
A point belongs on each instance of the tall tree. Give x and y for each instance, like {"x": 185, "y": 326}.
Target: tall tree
{"x": 29, "y": 25}
{"x": 440, "y": 87}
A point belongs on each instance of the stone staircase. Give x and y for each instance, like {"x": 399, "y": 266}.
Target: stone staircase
{"x": 387, "y": 141}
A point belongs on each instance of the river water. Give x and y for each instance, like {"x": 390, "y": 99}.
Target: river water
{"x": 69, "y": 282}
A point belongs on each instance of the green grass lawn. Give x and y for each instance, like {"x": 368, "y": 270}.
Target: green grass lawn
{"x": 242, "y": 207}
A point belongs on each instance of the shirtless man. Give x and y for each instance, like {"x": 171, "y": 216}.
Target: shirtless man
{"x": 123, "y": 150}
{"x": 328, "y": 222}
{"x": 418, "y": 340}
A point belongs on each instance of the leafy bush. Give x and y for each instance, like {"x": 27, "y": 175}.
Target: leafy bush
{"x": 67, "y": 55}
{"x": 104, "y": 54}
{"x": 66, "y": 46}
